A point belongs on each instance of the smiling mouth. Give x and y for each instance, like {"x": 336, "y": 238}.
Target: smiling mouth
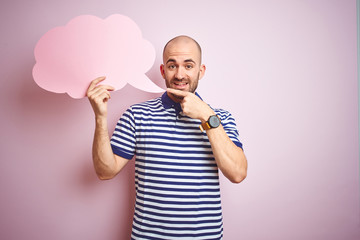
{"x": 180, "y": 84}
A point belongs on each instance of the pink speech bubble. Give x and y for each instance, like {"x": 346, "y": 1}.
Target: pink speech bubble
{"x": 69, "y": 57}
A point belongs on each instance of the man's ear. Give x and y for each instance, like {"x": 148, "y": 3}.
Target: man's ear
{"x": 162, "y": 70}
{"x": 202, "y": 71}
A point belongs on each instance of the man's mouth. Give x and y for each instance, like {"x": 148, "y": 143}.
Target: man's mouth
{"x": 180, "y": 85}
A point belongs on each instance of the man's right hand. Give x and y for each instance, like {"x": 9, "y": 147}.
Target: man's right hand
{"x": 98, "y": 96}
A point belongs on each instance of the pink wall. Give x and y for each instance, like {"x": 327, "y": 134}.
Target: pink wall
{"x": 286, "y": 69}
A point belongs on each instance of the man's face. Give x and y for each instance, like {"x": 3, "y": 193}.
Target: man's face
{"x": 182, "y": 68}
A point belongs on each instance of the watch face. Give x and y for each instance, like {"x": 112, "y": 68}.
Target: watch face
{"x": 214, "y": 121}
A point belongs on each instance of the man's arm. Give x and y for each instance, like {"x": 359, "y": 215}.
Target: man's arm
{"x": 229, "y": 158}
{"x": 106, "y": 163}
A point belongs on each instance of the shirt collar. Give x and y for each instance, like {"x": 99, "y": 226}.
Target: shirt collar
{"x": 169, "y": 103}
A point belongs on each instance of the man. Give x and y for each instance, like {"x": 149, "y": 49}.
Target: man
{"x": 176, "y": 166}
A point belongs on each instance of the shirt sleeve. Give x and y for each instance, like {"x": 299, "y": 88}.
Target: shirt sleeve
{"x": 229, "y": 125}
{"x": 123, "y": 140}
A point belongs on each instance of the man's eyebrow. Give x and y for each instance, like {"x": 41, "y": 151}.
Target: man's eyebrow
{"x": 170, "y": 60}
{"x": 190, "y": 60}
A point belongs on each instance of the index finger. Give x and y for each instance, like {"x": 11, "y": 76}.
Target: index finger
{"x": 177, "y": 92}
{"x": 96, "y": 81}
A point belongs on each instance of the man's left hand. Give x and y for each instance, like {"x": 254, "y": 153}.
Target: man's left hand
{"x": 192, "y": 106}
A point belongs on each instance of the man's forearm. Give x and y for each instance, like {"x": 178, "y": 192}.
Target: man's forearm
{"x": 230, "y": 158}
{"x": 103, "y": 157}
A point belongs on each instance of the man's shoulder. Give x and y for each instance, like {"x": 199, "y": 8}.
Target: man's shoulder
{"x": 222, "y": 113}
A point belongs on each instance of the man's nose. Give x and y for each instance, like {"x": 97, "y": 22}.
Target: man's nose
{"x": 180, "y": 74}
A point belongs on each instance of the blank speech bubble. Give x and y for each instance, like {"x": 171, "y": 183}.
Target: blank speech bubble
{"x": 69, "y": 57}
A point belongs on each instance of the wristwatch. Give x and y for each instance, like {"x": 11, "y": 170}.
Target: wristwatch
{"x": 213, "y": 122}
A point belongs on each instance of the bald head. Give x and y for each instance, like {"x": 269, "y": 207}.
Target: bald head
{"x": 181, "y": 40}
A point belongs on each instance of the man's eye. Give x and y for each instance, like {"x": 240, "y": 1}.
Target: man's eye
{"x": 189, "y": 66}
{"x": 172, "y": 66}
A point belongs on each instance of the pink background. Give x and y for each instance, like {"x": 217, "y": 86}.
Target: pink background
{"x": 286, "y": 69}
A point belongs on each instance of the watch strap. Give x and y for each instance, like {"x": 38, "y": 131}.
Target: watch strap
{"x": 204, "y": 126}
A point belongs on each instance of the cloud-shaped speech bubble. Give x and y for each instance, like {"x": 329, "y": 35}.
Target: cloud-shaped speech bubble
{"x": 69, "y": 57}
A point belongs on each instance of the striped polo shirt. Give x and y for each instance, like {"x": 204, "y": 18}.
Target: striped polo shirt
{"x": 176, "y": 176}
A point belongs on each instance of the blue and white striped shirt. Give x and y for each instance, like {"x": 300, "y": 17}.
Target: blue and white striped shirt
{"x": 176, "y": 176}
